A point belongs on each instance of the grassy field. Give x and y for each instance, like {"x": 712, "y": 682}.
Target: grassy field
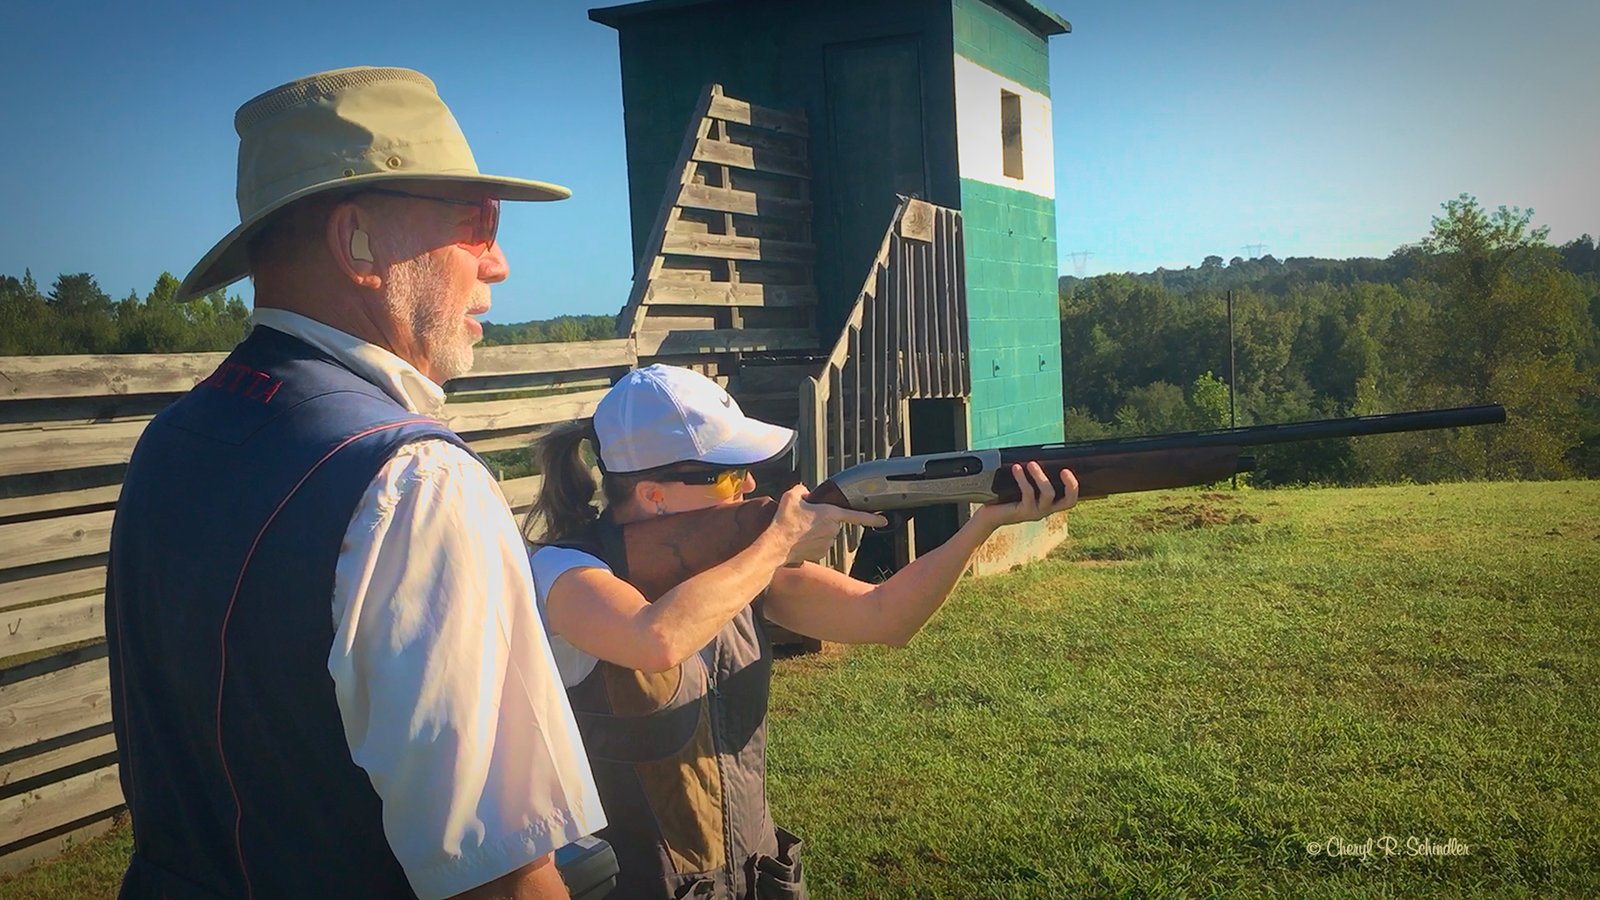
{"x": 1210, "y": 694}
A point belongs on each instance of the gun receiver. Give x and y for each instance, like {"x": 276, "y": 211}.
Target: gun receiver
{"x": 1105, "y": 467}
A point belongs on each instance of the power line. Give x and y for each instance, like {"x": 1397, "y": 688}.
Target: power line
{"x": 1254, "y": 249}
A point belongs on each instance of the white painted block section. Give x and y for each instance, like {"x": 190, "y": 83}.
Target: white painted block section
{"x": 978, "y": 141}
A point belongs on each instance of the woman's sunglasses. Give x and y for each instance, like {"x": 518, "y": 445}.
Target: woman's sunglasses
{"x": 726, "y": 481}
{"x": 484, "y": 227}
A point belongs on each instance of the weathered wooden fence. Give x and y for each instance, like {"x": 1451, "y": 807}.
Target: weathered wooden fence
{"x": 67, "y": 426}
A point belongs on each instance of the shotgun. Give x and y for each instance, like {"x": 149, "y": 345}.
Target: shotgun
{"x": 659, "y": 553}
{"x": 1105, "y": 467}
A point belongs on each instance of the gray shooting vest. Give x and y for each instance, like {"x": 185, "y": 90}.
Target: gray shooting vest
{"x": 679, "y": 758}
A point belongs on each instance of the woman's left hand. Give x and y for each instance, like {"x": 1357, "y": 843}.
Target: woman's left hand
{"x": 1038, "y": 498}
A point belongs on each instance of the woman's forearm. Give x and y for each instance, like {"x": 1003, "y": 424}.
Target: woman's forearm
{"x": 910, "y": 597}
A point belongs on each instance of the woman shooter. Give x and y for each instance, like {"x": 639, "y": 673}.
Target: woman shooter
{"x": 670, "y": 696}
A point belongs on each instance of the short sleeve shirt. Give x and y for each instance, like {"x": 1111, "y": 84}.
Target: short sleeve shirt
{"x": 550, "y": 563}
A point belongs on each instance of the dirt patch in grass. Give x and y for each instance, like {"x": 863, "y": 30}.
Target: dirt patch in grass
{"x": 1104, "y": 553}
{"x": 1185, "y": 516}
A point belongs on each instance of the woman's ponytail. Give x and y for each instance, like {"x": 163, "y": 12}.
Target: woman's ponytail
{"x": 565, "y": 505}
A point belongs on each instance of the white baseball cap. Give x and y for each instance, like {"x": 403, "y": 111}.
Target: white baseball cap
{"x": 660, "y": 415}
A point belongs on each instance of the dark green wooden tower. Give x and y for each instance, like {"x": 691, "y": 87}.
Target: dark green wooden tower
{"x": 947, "y": 100}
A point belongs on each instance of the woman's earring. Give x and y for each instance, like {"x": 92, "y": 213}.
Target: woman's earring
{"x": 661, "y": 508}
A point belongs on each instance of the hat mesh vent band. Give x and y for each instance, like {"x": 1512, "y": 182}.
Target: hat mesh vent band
{"x": 291, "y": 95}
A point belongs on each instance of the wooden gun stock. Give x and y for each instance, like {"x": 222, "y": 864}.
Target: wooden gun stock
{"x": 666, "y": 551}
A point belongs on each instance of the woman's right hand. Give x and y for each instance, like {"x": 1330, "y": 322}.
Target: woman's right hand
{"x": 807, "y": 530}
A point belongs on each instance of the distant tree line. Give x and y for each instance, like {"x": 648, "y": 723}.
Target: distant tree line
{"x": 75, "y": 316}
{"x": 560, "y": 328}
{"x": 1482, "y": 310}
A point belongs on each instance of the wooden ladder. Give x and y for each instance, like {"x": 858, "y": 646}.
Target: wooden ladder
{"x": 729, "y": 266}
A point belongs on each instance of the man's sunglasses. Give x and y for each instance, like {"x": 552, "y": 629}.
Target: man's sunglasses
{"x": 484, "y": 227}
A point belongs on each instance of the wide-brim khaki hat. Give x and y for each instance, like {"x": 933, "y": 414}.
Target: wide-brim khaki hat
{"x": 339, "y": 131}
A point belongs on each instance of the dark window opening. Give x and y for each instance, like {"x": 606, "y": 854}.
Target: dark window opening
{"x": 1011, "y": 133}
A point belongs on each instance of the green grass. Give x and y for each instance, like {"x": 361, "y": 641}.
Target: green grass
{"x": 1194, "y": 687}
{"x": 1199, "y": 684}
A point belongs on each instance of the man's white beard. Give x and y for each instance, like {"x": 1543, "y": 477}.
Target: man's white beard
{"x": 419, "y": 295}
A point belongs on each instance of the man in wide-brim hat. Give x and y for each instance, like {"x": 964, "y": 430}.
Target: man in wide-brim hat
{"x": 329, "y": 677}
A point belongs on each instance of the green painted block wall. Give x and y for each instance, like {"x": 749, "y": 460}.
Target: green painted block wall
{"x": 1001, "y": 44}
{"x": 1014, "y": 334}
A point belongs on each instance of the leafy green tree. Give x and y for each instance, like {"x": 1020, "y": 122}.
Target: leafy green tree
{"x": 165, "y": 291}
{"x": 1208, "y": 402}
{"x": 76, "y": 294}
{"x": 1154, "y": 408}
{"x": 1511, "y": 326}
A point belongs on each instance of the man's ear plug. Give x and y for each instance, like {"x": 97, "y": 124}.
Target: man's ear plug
{"x": 359, "y": 247}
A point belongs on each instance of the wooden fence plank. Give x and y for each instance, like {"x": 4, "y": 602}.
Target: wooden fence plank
{"x": 59, "y": 500}
{"x": 54, "y": 704}
{"x": 521, "y": 491}
{"x": 521, "y": 440}
{"x": 43, "y": 540}
{"x": 774, "y": 379}
{"x": 45, "y": 377}
{"x": 501, "y": 415}
{"x": 556, "y": 356}
{"x": 57, "y": 804}
{"x": 53, "y": 584}
{"x": 52, "y": 625}
{"x": 58, "y": 758}
{"x": 40, "y": 377}
{"x": 47, "y": 449}
{"x": 723, "y": 153}
{"x": 78, "y": 446}
{"x": 17, "y": 860}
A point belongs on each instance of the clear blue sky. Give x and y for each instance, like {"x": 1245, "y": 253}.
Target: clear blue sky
{"x": 1181, "y": 129}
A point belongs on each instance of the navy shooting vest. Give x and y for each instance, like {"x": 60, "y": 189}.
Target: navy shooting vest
{"x": 219, "y": 620}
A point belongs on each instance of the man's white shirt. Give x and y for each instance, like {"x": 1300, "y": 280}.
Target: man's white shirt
{"x": 450, "y": 697}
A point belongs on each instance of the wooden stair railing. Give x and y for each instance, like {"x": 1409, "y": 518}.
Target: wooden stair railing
{"x": 905, "y": 339}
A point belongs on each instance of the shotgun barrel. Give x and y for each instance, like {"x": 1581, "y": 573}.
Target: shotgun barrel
{"x": 1104, "y": 467}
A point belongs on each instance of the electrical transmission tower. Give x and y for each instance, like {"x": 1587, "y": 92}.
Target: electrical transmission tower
{"x": 1080, "y": 260}
{"x": 1254, "y": 250}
